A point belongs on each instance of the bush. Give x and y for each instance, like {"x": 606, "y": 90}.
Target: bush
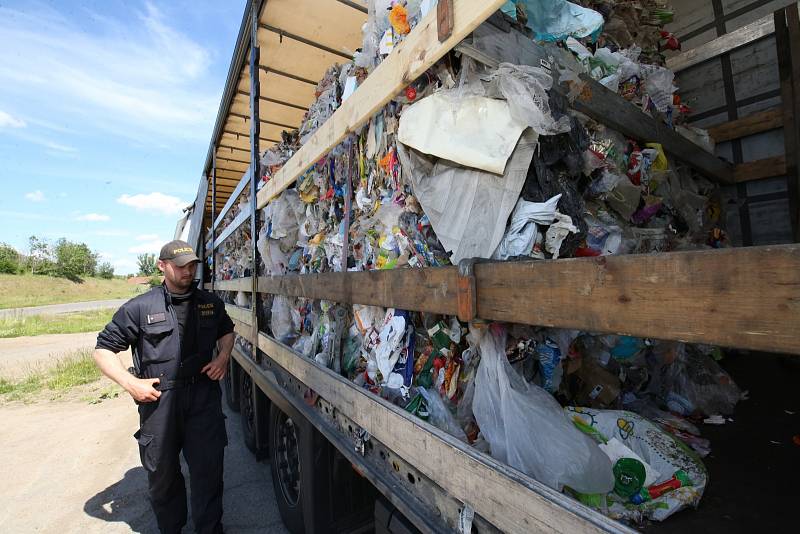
{"x": 9, "y": 259}
{"x": 106, "y": 270}
{"x": 154, "y": 281}
{"x": 74, "y": 260}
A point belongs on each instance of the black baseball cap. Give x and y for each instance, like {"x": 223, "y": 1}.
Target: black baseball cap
{"x": 178, "y": 252}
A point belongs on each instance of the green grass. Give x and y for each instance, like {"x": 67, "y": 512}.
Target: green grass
{"x": 66, "y": 323}
{"x": 74, "y": 369}
{"x": 22, "y": 290}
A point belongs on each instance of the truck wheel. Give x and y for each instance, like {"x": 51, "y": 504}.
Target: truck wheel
{"x": 227, "y": 384}
{"x": 247, "y": 409}
{"x": 284, "y": 449}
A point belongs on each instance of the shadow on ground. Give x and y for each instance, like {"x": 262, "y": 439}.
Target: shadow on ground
{"x": 125, "y": 502}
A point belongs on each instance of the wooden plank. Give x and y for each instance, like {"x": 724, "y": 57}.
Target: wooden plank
{"x": 242, "y": 315}
{"x": 239, "y": 188}
{"x": 495, "y": 45}
{"x": 787, "y": 33}
{"x": 762, "y": 121}
{"x": 232, "y": 227}
{"x": 408, "y": 61}
{"x": 760, "y": 169}
{"x": 431, "y": 290}
{"x": 508, "y": 499}
{"x": 609, "y": 108}
{"x": 237, "y": 284}
{"x": 746, "y": 298}
{"x": 725, "y": 43}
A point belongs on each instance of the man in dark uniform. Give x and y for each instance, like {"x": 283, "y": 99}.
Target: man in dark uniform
{"x": 173, "y": 331}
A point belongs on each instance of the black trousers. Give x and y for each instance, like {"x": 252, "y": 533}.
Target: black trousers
{"x": 187, "y": 419}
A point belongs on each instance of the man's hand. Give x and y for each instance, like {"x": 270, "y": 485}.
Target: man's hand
{"x": 143, "y": 389}
{"x": 216, "y": 368}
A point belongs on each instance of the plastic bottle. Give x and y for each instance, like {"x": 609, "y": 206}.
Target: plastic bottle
{"x": 678, "y": 480}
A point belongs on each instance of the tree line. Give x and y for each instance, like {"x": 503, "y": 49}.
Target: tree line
{"x": 63, "y": 258}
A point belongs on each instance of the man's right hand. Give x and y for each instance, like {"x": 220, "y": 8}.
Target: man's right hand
{"x": 143, "y": 390}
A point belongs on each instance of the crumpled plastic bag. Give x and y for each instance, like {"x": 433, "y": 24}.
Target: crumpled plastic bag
{"x": 557, "y": 232}
{"x": 661, "y": 451}
{"x": 555, "y": 20}
{"x": 439, "y": 416}
{"x": 687, "y": 380}
{"x": 526, "y": 427}
{"x": 285, "y": 322}
{"x": 525, "y": 89}
{"x": 521, "y": 234}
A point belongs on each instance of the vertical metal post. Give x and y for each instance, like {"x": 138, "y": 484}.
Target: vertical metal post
{"x": 255, "y": 175}
{"x": 213, "y": 276}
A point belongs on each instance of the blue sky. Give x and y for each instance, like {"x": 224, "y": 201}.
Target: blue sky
{"x": 106, "y": 112}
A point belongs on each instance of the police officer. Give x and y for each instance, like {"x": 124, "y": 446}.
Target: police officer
{"x": 181, "y": 339}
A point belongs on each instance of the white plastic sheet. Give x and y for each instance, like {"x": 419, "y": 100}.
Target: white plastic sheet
{"x": 526, "y": 427}
{"x": 468, "y": 208}
{"x": 522, "y": 230}
{"x": 473, "y": 131}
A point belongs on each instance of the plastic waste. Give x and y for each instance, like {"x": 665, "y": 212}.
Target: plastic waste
{"x": 526, "y": 428}
{"x": 440, "y": 416}
{"x": 557, "y": 232}
{"x": 658, "y": 449}
{"x": 525, "y": 88}
{"x": 555, "y": 20}
{"x": 283, "y": 323}
{"x": 473, "y": 131}
{"x": 522, "y": 230}
{"x": 687, "y": 380}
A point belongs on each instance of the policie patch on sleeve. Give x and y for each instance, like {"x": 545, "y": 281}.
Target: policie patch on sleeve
{"x": 156, "y": 318}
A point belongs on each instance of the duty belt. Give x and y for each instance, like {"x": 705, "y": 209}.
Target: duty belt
{"x": 164, "y": 383}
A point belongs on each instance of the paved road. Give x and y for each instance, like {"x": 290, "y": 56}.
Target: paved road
{"x": 55, "y": 309}
{"x": 74, "y": 467}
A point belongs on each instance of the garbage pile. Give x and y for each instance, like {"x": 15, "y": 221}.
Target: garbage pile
{"x": 518, "y": 175}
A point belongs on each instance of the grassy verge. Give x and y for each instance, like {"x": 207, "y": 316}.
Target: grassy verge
{"x": 73, "y": 369}
{"x": 67, "y": 323}
{"x": 22, "y": 290}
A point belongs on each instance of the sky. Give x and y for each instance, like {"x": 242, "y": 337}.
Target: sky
{"x": 106, "y": 114}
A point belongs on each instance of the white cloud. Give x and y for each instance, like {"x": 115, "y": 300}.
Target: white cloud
{"x": 93, "y": 217}
{"x": 125, "y": 266}
{"x": 157, "y": 202}
{"x": 147, "y": 247}
{"x": 8, "y": 121}
{"x": 35, "y": 196}
{"x": 147, "y": 237}
{"x": 152, "y": 78}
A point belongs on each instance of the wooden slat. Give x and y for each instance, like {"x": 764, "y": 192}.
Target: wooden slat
{"x": 746, "y": 298}
{"x": 430, "y": 290}
{"x": 243, "y": 315}
{"x": 726, "y": 43}
{"x": 609, "y": 108}
{"x": 759, "y": 122}
{"x": 508, "y": 499}
{"x": 232, "y": 227}
{"x": 760, "y": 169}
{"x": 408, "y": 61}
{"x": 237, "y": 284}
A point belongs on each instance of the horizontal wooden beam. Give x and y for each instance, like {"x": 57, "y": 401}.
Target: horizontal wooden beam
{"x": 263, "y": 121}
{"x": 274, "y": 101}
{"x": 237, "y": 284}
{"x": 745, "y": 298}
{"x": 723, "y": 44}
{"x": 760, "y": 169}
{"x": 285, "y": 74}
{"x": 762, "y": 121}
{"x": 409, "y": 60}
{"x": 508, "y": 499}
{"x": 429, "y": 290}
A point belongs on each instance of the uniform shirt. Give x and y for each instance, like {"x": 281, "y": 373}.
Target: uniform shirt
{"x": 128, "y": 325}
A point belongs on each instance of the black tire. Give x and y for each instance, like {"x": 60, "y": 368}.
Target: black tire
{"x": 284, "y": 461}
{"x": 247, "y": 409}
{"x": 227, "y": 384}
